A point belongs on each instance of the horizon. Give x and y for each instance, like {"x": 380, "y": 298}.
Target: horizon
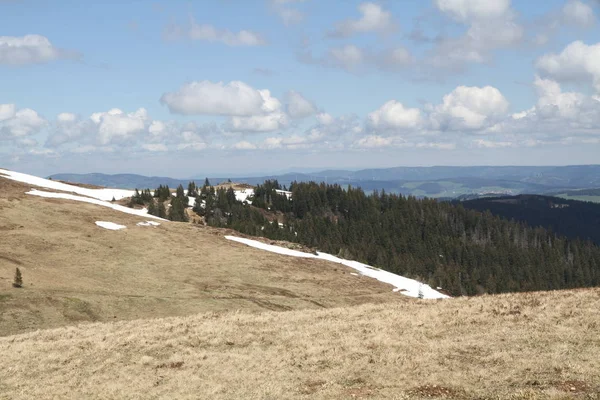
{"x": 319, "y": 171}
{"x": 168, "y": 88}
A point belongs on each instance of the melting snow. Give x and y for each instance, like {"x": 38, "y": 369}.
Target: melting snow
{"x": 408, "y": 287}
{"x": 110, "y": 225}
{"x": 148, "y": 223}
{"x": 243, "y": 194}
{"x": 100, "y": 194}
{"x": 142, "y": 213}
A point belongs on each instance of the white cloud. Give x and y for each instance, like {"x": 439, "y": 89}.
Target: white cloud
{"x": 373, "y": 141}
{"x": 394, "y": 116}
{"x": 208, "y": 33}
{"x": 155, "y": 147}
{"x": 232, "y": 99}
{"x": 258, "y": 123}
{"x": 289, "y": 15}
{"x": 578, "y": 62}
{"x": 115, "y": 125}
{"x": 491, "y": 25}
{"x": 16, "y": 125}
{"x": 68, "y": 128}
{"x": 466, "y": 10}
{"x": 7, "y": 111}
{"x": 348, "y": 57}
{"x": 244, "y": 145}
{"x": 469, "y": 108}
{"x": 488, "y": 144}
{"x": 436, "y": 145}
{"x": 325, "y": 119}
{"x": 578, "y": 14}
{"x": 373, "y": 19}
{"x": 298, "y": 106}
{"x": 30, "y": 49}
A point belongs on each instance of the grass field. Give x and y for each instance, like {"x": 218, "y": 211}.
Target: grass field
{"x": 247, "y": 324}
{"x": 519, "y": 346}
{"x": 75, "y": 271}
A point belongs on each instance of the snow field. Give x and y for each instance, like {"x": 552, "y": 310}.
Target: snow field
{"x": 110, "y": 225}
{"x": 406, "y": 286}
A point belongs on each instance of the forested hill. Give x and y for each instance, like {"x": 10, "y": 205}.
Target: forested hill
{"x": 574, "y": 219}
{"x": 464, "y": 251}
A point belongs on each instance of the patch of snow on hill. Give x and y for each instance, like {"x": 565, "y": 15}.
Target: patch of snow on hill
{"x": 110, "y": 225}
{"x": 284, "y": 192}
{"x": 148, "y": 223}
{"x": 243, "y": 194}
{"x": 66, "y": 196}
{"x": 100, "y": 194}
{"x": 406, "y": 286}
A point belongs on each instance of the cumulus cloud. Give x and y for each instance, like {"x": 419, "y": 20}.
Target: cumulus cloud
{"x": 207, "y": 98}
{"x": 115, "y": 125}
{"x": 578, "y": 14}
{"x": 394, "y": 116}
{"x": 578, "y": 62}
{"x": 208, "y": 33}
{"x": 469, "y": 108}
{"x": 258, "y": 123}
{"x": 491, "y": 25}
{"x": 17, "y": 124}
{"x": 466, "y": 10}
{"x": 289, "y": 15}
{"x": 30, "y": 49}
{"x": 373, "y": 19}
{"x": 298, "y": 106}
{"x": 558, "y": 113}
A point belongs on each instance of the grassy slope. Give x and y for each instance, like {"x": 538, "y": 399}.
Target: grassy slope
{"x": 517, "y": 346}
{"x": 75, "y": 271}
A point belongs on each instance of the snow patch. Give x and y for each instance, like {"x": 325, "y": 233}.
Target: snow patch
{"x": 148, "y": 223}
{"x": 110, "y": 225}
{"x": 100, "y": 194}
{"x": 51, "y": 195}
{"x": 243, "y": 194}
{"x": 406, "y": 286}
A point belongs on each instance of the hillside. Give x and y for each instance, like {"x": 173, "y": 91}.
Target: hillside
{"x": 518, "y": 346}
{"x": 574, "y": 219}
{"x": 75, "y": 271}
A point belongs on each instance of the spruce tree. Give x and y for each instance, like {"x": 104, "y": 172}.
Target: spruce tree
{"x": 162, "y": 211}
{"x": 152, "y": 210}
{"x": 18, "y": 282}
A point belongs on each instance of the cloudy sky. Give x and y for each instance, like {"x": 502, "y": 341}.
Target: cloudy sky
{"x": 184, "y": 88}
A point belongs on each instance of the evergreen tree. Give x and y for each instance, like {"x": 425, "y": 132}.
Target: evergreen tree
{"x": 152, "y": 209}
{"x": 161, "y": 211}
{"x": 18, "y": 281}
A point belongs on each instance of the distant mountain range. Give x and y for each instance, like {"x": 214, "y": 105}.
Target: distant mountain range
{"x": 438, "y": 181}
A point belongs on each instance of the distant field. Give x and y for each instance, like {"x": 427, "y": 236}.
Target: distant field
{"x": 593, "y": 199}
{"x": 77, "y": 272}
{"x": 518, "y": 346}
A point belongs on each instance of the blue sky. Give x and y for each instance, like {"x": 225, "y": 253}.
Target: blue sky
{"x": 234, "y": 87}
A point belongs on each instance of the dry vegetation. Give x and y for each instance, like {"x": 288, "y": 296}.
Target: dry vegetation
{"x": 216, "y": 345}
{"x": 74, "y": 271}
{"x": 525, "y": 346}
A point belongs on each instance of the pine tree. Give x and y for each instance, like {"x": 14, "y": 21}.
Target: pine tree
{"x": 18, "y": 282}
{"x": 162, "y": 211}
{"x": 152, "y": 210}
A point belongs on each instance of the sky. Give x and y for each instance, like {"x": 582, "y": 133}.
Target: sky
{"x": 240, "y": 88}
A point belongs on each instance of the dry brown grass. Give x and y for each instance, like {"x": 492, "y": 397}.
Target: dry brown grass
{"x": 520, "y": 346}
{"x": 74, "y": 271}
